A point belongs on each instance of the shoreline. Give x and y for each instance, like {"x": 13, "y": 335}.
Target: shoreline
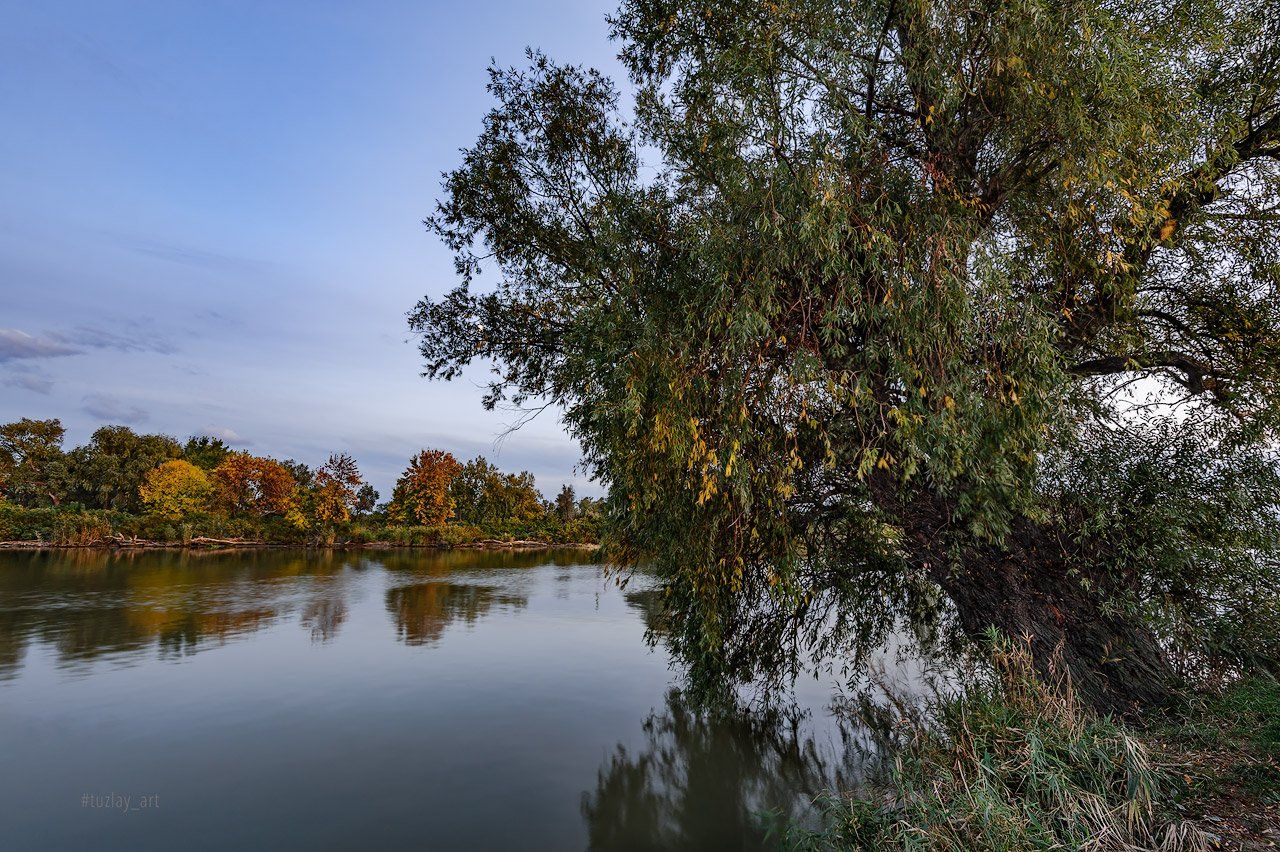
{"x": 227, "y": 544}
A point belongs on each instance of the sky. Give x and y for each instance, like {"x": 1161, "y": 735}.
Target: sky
{"x": 211, "y": 219}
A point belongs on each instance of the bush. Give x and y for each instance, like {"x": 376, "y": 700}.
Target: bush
{"x": 66, "y": 525}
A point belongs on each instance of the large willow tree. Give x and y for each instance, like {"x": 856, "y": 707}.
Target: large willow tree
{"x": 850, "y": 304}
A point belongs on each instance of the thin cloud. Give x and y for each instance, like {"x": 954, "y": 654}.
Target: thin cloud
{"x": 185, "y": 255}
{"x": 136, "y": 337}
{"x": 210, "y": 315}
{"x": 106, "y": 407}
{"x": 32, "y": 382}
{"x": 16, "y": 345}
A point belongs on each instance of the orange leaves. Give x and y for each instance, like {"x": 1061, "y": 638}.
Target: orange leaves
{"x": 422, "y": 493}
{"x": 335, "y": 489}
{"x": 253, "y": 485}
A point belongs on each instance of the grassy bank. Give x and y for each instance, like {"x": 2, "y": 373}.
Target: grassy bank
{"x": 1013, "y": 764}
{"x": 72, "y": 526}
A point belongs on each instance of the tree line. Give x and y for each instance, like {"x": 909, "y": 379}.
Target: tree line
{"x": 155, "y": 483}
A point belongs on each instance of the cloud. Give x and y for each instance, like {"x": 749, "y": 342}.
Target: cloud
{"x": 15, "y": 345}
{"x": 30, "y": 381}
{"x": 137, "y": 337}
{"x": 209, "y": 315}
{"x": 106, "y": 407}
{"x": 186, "y": 255}
{"x": 227, "y": 434}
{"x": 134, "y": 337}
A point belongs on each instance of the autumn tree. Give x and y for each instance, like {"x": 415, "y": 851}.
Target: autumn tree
{"x": 248, "y": 484}
{"x": 177, "y": 488}
{"x": 107, "y": 472}
{"x": 906, "y": 302}
{"x": 33, "y": 469}
{"x": 335, "y": 489}
{"x": 421, "y": 494}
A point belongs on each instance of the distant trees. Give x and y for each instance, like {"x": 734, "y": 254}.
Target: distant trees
{"x": 566, "y": 504}
{"x": 422, "y": 493}
{"x": 176, "y": 489}
{"x": 253, "y": 485}
{"x": 233, "y": 494}
{"x": 205, "y": 451}
{"x": 33, "y": 469}
{"x": 107, "y": 472}
{"x": 336, "y": 489}
{"x": 485, "y": 496}
{"x": 366, "y": 499}
{"x": 303, "y": 475}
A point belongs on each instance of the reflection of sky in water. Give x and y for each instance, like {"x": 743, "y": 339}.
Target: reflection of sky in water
{"x": 455, "y": 700}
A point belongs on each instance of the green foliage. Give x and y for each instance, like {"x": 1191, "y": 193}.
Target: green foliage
{"x": 566, "y": 504}
{"x": 205, "y": 451}
{"x": 444, "y": 535}
{"x": 107, "y": 472}
{"x": 33, "y": 469}
{"x": 366, "y": 499}
{"x": 1187, "y": 515}
{"x": 486, "y": 497}
{"x": 70, "y": 525}
{"x": 302, "y": 474}
{"x": 885, "y": 265}
{"x": 1011, "y": 764}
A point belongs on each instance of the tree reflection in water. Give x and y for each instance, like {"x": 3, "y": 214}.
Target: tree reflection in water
{"x": 702, "y": 778}
{"x": 422, "y": 611}
{"x": 89, "y": 603}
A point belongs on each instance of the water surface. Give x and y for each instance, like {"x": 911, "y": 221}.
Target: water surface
{"x": 283, "y": 699}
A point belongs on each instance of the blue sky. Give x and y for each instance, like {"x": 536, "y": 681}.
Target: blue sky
{"x": 210, "y": 218}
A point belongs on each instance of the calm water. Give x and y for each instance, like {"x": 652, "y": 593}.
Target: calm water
{"x": 442, "y": 701}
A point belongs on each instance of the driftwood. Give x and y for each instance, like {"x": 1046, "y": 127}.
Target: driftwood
{"x": 494, "y": 543}
{"x": 228, "y": 542}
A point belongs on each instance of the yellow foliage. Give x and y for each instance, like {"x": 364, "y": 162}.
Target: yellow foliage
{"x": 331, "y": 504}
{"x": 175, "y": 489}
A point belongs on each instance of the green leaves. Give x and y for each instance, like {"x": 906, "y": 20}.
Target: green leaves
{"x": 844, "y": 268}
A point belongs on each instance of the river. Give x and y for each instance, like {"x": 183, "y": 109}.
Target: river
{"x": 436, "y": 700}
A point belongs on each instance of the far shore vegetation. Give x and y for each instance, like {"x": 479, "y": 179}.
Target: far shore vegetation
{"x": 122, "y": 487}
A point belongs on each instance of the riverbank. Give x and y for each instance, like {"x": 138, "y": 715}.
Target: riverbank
{"x": 229, "y": 544}
{"x": 1014, "y": 764}
{"x": 76, "y": 527}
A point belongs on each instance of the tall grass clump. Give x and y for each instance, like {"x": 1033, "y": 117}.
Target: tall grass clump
{"x": 1013, "y": 763}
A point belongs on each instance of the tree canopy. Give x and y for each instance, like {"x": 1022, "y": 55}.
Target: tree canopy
{"x": 176, "y": 488}
{"x": 109, "y": 470}
{"x": 421, "y": 493}
{"x": 33, "y": 470}
{"x": 851, "y": 303}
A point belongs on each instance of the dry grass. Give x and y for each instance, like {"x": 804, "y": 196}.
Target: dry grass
{"x": 1012, "y": 764}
